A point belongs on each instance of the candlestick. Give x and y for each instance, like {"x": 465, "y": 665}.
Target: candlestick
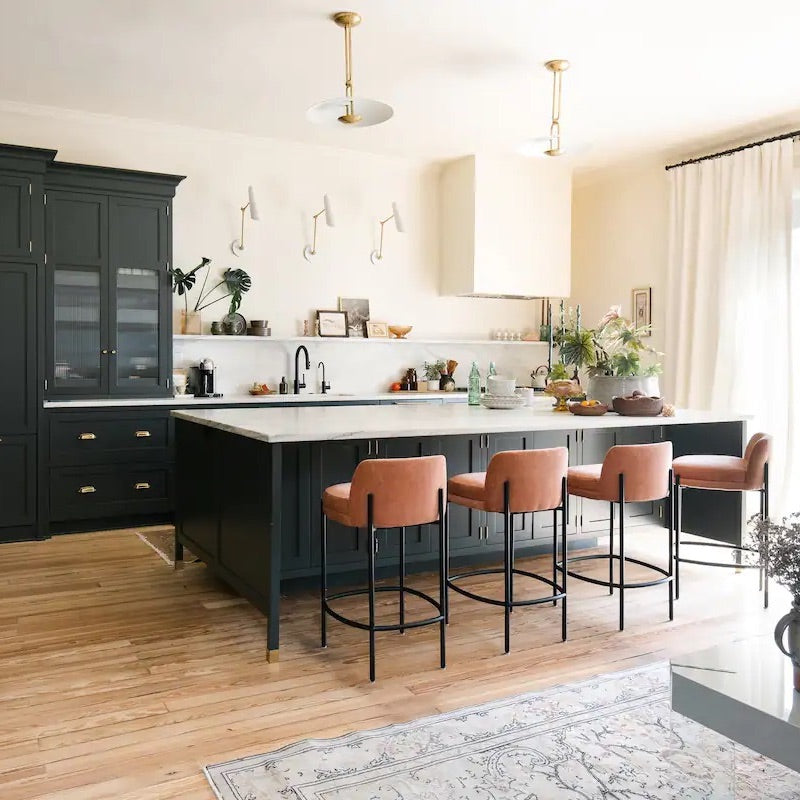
{"x": 549, "y": 336}
{"x": 578, "y": 318}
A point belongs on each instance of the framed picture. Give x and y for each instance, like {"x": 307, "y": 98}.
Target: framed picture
{"x": 377, "y": 330}
{"x": 642, "y": 311}
{"x": 333, "y": 323}
{"x": 357, "y": 313}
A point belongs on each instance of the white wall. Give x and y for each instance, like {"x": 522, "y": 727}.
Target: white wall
{"x": 620, "y": 223}
{"x": 289, "y": 180}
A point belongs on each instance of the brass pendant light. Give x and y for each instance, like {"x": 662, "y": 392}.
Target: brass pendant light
{"x": 351, "y": 111}
{"x": 550, "y": 145}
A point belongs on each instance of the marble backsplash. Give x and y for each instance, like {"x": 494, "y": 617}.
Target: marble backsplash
{"x": 361, "y": 366}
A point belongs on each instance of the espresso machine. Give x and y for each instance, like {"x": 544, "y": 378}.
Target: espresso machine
{"x": 202, "y": 379}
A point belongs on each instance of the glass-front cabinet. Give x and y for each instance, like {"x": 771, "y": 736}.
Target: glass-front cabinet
{"x": 108, "y": 290}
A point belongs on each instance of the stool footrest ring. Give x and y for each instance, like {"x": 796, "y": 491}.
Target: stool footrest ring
{"x": 559, "y": 592}
{"x": 353, "y": 623}
{"x": 616, "y": 584}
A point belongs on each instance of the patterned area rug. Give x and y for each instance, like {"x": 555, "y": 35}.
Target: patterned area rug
{"x": 610, "y": 737}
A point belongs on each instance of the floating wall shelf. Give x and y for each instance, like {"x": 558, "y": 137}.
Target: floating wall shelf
{"x": 181, "y": 337}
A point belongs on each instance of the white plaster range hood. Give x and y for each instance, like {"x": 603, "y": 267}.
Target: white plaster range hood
{"x": 505, "y": 227}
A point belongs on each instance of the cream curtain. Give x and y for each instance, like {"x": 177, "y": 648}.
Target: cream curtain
{"x": 732, "y": 304}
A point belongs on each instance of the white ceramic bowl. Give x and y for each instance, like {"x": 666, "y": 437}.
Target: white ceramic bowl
{"x": 500, "y": 386}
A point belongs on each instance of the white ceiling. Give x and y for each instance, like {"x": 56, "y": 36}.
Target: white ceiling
{"x": 462, "y": 75}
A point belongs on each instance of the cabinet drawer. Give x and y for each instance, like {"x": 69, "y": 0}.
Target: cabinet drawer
{"x": 95, "y": 437}
{"x": 78, "y": 492}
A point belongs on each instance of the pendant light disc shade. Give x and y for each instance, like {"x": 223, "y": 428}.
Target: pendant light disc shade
{"x": 336, "y": 112}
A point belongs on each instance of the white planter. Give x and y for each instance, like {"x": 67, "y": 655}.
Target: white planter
{"x": 433, "y": 386}
{"x": 606, "y": 387}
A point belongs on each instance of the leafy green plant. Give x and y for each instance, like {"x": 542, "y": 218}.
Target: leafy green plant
{"x": 783, "y": 548}
{"x": 558, "y": 372}
{"x": 235, "y": 281}
{"x": 614, "y": 347}
{"x": 183, "y": 282}
{"x": 434, "y": 369}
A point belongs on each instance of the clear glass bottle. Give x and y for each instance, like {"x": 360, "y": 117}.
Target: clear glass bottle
{"x": 492, "y": 368}
{"x": 474, "y": 393}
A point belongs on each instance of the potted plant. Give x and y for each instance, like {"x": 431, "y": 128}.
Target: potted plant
{"x": 182, "y": 284}
{"x": 235, "y": 282}
{"x": 433, "y": 373}
{"x": 778, "y": 546}
{"x": 611, "y": 354}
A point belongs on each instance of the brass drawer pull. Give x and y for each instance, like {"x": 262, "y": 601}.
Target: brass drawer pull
{"x": 87, "y": 490}
{"x": 85, "y": 436}
{"x": 142, "y": 485}
{"x": 142, "y": 434}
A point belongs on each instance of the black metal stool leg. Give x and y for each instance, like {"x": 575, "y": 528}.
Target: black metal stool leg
{"x": 564, "y": 558}
{"x": 371, "y": 540}
{"x": 511, "y": 566}
{"x": 621, "y": 552}
{"x": 447, "y": 564}
{"x": 670, "y": 564}
{"x": 402, "y": 578}
{"x": 442, "y": 577}
{"x": 678, "y": 520}
{"x": 323, "y": 589}
{"x": 555, "y": 552}
{"x": 766, "y": 536}
{"x": 611, "y": 551}
{"x": 507, "y": 564}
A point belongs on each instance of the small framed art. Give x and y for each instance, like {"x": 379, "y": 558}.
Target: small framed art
{"x": 333, "y": 324}
{"x": 377, "y": 330}
{"x": 357, "y": 309}
{"x": 642, "y": 310}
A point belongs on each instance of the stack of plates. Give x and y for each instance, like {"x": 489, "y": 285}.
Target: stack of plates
{"x": 506, "y": 401}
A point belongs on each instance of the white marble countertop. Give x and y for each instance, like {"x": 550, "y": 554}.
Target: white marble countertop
{"x": 416, "y": 419}
{"x": 247, "y": 399}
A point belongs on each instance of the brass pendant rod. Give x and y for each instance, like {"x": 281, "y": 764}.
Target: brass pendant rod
{"x": 314, "y": 241}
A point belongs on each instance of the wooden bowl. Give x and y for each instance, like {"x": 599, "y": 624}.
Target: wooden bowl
{"x": 641, "y": 406}
{"x": 587, "y": 411}
{"x": 400, "y": 331}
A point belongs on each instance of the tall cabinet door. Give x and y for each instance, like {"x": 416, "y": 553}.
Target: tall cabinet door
{"x": 77, "y": 248}
{"x": 15, "y": 216}
{"x": 139, "y": 293}
{"x": 18, "y": 362}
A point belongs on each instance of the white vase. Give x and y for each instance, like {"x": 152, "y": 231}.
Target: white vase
{"x": 606, "y": 387}
{"x": 433, "y": 386}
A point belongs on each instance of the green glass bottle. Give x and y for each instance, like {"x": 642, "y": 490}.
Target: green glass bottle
{"x": 492, "y": 369}
{"x": 474, "y": 393}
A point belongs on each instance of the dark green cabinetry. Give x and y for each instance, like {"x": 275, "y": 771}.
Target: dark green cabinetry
{"x": 21, "y": 256}
{"x": 108, "y": 293}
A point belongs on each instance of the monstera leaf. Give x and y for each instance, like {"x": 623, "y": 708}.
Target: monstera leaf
{"x": 183, "y": 282}
{"x": 237, "y": 282}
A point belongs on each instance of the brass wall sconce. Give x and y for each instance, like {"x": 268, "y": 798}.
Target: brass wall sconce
{"x": 237, "y": 245}
{"x": 550, "y": 145}
{"x": 376, "y": 255}
{"x": 309, "y": 251}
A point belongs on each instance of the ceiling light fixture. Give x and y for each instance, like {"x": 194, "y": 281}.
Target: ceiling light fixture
{"x": 376, "y": 255}
{"x": 550, "y": 145}
{"x": 309, "y": 251}
{"x": 354, "y": 112}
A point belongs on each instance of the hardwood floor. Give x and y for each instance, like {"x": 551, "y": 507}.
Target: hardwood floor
{"x": 121, "y": 678}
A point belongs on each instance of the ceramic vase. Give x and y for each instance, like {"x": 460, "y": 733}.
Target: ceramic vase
{"x": 188, "y": 322}
{"x": 788, "y": 630}
{"x": 606, "y": 387}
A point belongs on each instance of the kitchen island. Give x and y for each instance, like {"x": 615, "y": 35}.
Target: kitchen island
{"x": 249, "y": 483}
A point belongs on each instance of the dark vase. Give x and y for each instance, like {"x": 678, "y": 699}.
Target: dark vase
{"x": 791, "y": 623}
{"x": 446, "y": 383}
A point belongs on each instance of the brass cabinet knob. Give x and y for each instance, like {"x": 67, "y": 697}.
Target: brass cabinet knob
{"x": 113, "y": 352}
{"x": 87, "y": 490}
{"x": 104, "y": 352}
{"x": 86, "y": 436}
{"x": 142, "y": 434}
{"x": 142, "y": 485}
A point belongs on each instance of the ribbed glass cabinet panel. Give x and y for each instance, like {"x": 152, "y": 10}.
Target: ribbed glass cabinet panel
{"x": 137, "y": 335}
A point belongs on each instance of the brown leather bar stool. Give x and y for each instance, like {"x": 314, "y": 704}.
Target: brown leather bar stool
{"x": 388, "y": 493}
{"x": 517, "y": 482}
{"x": 634, "y": 473}
{"x": 725, "y": 474}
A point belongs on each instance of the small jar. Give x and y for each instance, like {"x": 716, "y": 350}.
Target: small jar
{"x": 216, "y": 328}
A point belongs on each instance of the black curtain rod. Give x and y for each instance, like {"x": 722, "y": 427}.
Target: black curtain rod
{"x": 790, "y": 135}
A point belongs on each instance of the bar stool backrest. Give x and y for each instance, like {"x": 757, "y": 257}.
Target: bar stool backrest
{"x": 756, "y": 455}
{"x": 534, "y": 477}
{"x": 646, "y": 469}
{"x": 405, "y": 491}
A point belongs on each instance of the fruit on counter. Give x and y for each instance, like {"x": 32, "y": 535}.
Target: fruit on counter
{"x": 590, "y": 403}
{"x": 395, "y": 387}
{"x": 260, "y": 388}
